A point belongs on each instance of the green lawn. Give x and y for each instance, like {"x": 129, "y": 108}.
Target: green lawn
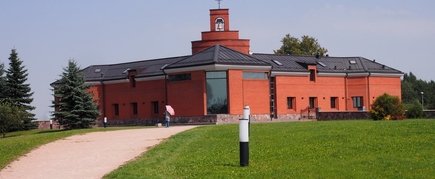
{"x": 17, "y": 144}
{"x": 337, "y": 149}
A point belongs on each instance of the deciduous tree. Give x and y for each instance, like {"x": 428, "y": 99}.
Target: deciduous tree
{"x": 305, "y": 46}
{"x": 10, "y": 117}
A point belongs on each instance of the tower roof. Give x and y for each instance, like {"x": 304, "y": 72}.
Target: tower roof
{"x": 218, "y": 54}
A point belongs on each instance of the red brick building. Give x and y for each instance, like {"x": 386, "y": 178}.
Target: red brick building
{"x": 220, "y": 77}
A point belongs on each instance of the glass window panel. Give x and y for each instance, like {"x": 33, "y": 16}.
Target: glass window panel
{"x": 334, "y": 102}
{"x": 254, "y": 75}
{"x": 217, "y": 93}
{"x": 214, "y": 75}
{"x": 291, "y": 102}
{"x": 357, "y": 101}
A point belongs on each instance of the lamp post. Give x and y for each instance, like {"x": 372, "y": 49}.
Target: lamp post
{"x": 422, "y": 99}
{"x": 244, "y": 137}
{"x": 105, "y": 122}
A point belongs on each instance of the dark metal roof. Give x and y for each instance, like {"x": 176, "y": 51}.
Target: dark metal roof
{"x": 120, "y": 71}
{"x": 325, "y": 64}
{"x": 222, "y": 55}
{"x": 218, "y": 55}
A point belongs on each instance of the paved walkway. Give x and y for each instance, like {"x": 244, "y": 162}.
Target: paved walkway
{"x": 87, "y": 156}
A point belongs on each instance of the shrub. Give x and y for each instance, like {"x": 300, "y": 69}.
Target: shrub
{"x": 414, "y": 110}
{"x": 387, "y": 107}
{"x": 10, "y": 117}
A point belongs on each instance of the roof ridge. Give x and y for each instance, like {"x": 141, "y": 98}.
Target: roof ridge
{"x": 362, "y": 64}
{"x": 191, "y": 56}
{"x": 248, "y": 55}
{"x": 216, "y": 53}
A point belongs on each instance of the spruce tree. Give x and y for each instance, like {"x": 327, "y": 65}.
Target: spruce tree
{"x": 74, "y": 106}
{"x": 18, "y": 92}
{"x": 3, "y": 89}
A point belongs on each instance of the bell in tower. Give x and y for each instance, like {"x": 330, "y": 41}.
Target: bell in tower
{"x": 220, "y": 24}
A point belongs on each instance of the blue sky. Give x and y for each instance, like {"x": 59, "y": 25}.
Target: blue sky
{"x": 46, "y": 33}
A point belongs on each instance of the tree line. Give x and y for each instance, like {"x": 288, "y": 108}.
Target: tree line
{"x": 418, "y": 91}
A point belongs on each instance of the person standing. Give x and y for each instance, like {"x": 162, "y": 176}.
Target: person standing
{"x": 167, "y": 118}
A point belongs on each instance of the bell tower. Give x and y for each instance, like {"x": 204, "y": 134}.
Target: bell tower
{"x": 219, "y": 20}
{"x": 220, "y": 34}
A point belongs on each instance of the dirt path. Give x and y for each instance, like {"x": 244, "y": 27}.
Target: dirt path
{"x": 87, "y": 156}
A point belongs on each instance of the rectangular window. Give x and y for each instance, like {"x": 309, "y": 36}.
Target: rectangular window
{"x": 312, "y": 75}
{"x": 116, "y": 109}
{"x": 334, "y": 101}
{"x": 313, "y": 102}
{"x": 216, "y": 84}
{"x": 357, "y": 101}
{"x": 255, "y": 75}
{"x": 291, "y": 102}
{"x": 180, "y": 77}
{"x": 155, "y": 107}
{"x": 134, "y": 108}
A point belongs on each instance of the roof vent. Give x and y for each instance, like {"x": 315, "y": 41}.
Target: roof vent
{"x": 321, "y": 64}
{"x": 318, "y": 56}
{"x": 352, "y": 62}
{"x": 97, "y": 70}
{"x": 164, "y": 66}
{"x": 383, "y": 66}
{"x": 350, "y": 67}
{"x": 277, "y": 62}
{"x": 335, "y": 67}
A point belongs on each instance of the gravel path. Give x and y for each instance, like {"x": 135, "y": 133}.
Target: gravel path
{"x": 87, "y": 156}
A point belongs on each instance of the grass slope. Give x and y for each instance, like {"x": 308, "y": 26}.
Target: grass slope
{"x": 338, "y": 149}
{"x": 17, "y": 144}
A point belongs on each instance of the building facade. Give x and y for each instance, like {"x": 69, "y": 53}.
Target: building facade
{"x": 221, "y": 77}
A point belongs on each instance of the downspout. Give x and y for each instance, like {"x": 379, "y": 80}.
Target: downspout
{"x": 166, "y": 86}
{"x": 103, "y": 91}
{"x": 274, "y": 100}
{"x": 368, "y": 92}
{"x": 345, "y": 91}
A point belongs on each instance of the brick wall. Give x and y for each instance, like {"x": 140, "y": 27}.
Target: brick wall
{"x": 301, "y": 88}
{"x": 188, "y": 97}
{"x": 46, "y": 125}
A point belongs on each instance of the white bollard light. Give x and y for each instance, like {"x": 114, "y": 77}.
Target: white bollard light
{"x": 244, "y": 137}
{"x": 105, "y": 122}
